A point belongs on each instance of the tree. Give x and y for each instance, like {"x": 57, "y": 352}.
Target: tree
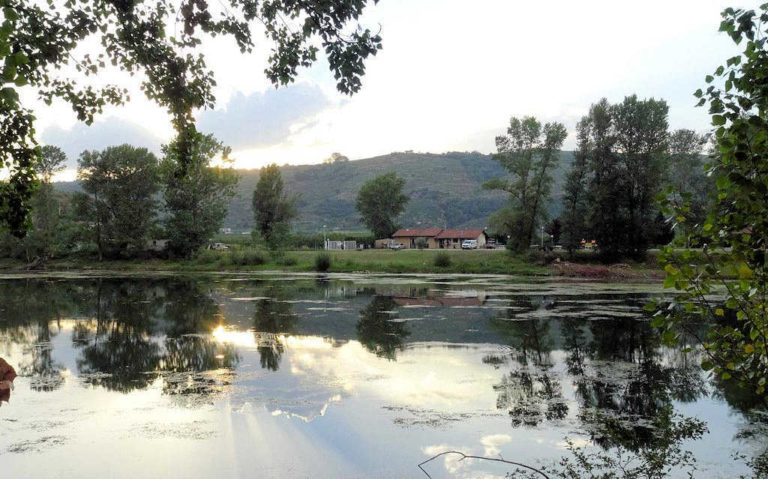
{"x": 625, "y": 145}
{"x": 641, "y": 129}
{"x": 38, "y": 39}
{"x": 555, "y": 230}
{"x": 46, "y": 232}
{"x": 575, "y": 191}
{"x": 335, "y": 158}
{"x": 686, "y": 179}
{"x": 121, "y": 182}
{"x": 727, "y": 287}
{"x": 379, "y": 201}
{"x": 52, "y": 160}
{"x": 529, "y": 153}
{"x": 273, "y": 207}
{"x": 196, "y": 199}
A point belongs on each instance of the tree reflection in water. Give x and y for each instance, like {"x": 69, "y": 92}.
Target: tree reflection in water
{"x": 624, "y": 381}
{"x": 31, "y": 310}
{"x": 531, "y": 393}
{"x": 378, "y": 332}
{"x": 122, "y": 352}
{"x": 272, "y": 317}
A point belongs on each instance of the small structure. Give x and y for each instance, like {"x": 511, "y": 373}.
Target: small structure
{"x": 218, "y": 246}
{"x": 452, "y": 239}
{"x": 340, "y": 245}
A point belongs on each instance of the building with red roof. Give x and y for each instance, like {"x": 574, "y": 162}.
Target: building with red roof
{"x": 453, "y": 238}
{"x": 410, "y": 238}
{"x": 434, "y": 238}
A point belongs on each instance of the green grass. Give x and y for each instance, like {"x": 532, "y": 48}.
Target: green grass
{"x": 244, "y": 258}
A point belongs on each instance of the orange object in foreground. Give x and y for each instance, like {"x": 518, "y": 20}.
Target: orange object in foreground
{"x": 7, "y": 373}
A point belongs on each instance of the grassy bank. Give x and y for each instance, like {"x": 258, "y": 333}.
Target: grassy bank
{"x": 246, "y": 258}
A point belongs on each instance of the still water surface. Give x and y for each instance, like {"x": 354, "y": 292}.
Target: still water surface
{"x": 339, "y": 376}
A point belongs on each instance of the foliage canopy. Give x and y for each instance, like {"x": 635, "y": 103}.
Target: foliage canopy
{"x": 725, "y": 279}
{"x": 379, "y": 201}
{"x": 160, "y": 39}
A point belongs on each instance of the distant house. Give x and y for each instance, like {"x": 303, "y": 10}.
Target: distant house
{"x": 448, "y": 239}
{"x": 435, "y": 238}
{"x": 410, "y": 238}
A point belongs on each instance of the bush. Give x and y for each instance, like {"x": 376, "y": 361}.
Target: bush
{"x": 442, "y": 260}
{"x": 247, "y": 258}
{"x": 207, "y": 256}
{"x": 286, "y": 261}
{"x": 322, "y": 262}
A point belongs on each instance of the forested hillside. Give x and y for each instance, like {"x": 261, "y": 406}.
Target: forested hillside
{"x": 445, "y": 190}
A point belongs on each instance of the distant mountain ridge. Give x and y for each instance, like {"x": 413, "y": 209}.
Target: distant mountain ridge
{"x": 445, "y": 190}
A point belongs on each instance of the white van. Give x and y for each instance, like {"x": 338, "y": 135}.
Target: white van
{"x": 469, "y": 244}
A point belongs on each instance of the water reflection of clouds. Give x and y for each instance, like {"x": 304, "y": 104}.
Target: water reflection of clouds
{"x": 438, "y": 377}
{"x": 362, "y": 404}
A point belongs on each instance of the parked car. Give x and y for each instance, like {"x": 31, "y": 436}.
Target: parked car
{"x": 396, "y": 246}
{"x": 218, "y": 246}
{"x": 469, "y": 244}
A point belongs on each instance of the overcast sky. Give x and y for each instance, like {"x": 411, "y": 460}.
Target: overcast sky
{"x": 450, "y": 75}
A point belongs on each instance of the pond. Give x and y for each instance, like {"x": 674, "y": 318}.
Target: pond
{"x": 342, "y": 376}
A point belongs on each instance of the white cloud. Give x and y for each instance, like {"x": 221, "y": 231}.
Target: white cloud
{"x": 452, "y": 73}
{"x": 263, "y": 118}
{"x": 106, "y": 132}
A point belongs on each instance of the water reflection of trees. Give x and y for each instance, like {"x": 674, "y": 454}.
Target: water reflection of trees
{"x": 624, "y": 381}
{"x": 530, "y": 392}
{"x": 128, "y": 332}
{"x": 119, "y": 353}
{"x": 30, "y": 314}
{"x": 273, "y": 317}
{"x": 377, "y": 331}
{"x": 192, "y": 364}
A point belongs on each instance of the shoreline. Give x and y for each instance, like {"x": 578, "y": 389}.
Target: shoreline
{"x": 528, "y": 271}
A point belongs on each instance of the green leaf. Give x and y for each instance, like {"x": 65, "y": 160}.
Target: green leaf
{"x": 718, "y": 120}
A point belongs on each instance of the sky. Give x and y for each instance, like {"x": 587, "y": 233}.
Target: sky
{"x": 449, "y": 77}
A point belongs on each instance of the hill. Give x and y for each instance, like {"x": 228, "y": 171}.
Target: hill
{"x": 445, "y": 190}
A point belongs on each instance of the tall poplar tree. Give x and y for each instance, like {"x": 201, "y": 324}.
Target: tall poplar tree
{"x": 273, "y": 207}
{"x": 623, "y": 148}
{"x": 529, "y": 153}
{"x": 575, "y": 191}
{"x": 196, "y": 199}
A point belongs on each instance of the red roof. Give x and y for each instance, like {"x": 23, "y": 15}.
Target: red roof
{"x": 409, "y": 233}
{"x": 460, "y": 234}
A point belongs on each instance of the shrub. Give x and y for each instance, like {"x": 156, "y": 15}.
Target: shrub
{"x": 247, "y": 258}
{"x": 442, "y": 260}
{"x": 207, "y": 256}
{"x": 322, "y": 262}
{"x": 286, "y": 261}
